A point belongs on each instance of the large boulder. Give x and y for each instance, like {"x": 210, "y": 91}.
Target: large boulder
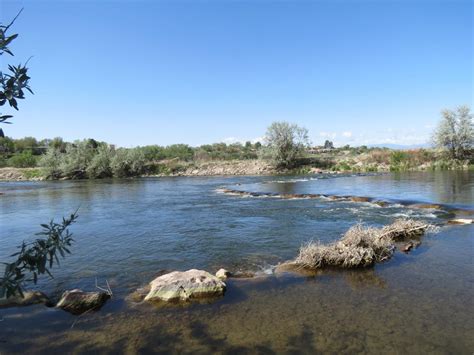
{"x": 29, "y": 298}
{"x": 78, "y": 302}
{"x": 182, "y": 286}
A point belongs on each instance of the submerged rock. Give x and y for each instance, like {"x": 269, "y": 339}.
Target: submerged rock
{"x": 29, "y": 298}
{"x": 429, "y": 206}
{"x": 185, "y": 285}
{"x": 407, "y": 247}
{"x": 243, "y": 275}
{"x": 78, "y": 302}
{"x": 222, "y": 274}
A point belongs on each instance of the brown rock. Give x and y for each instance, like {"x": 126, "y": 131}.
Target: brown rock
{"x": 77, "y": 301}
{"x": 29, "y": 298}
{"x": 407, "y": 247}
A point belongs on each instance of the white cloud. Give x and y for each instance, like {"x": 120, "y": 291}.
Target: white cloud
{"x": 330, "y": 135}
{"x": 347, "y": 134}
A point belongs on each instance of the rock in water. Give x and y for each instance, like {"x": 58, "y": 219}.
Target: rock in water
{"x": 409, "y": 246}
{"x": 186, "y": 285}
{"x": 29, "y": 298}
{"x": 222, "y": 274}
{"x": 461, "y": 221}
{"x": 78, "y": 301}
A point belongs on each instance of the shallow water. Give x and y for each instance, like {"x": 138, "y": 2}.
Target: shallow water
{"x": 129, "y": 230}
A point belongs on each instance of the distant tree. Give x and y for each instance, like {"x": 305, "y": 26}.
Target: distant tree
{"x": 12, "y": 84}
{"x": 328, "y": 145}
{"x": 6, "y": 145}
{"x": 26, "y": 143}
{"x": 286, "y": 142}
{"x": 455, "y": 132}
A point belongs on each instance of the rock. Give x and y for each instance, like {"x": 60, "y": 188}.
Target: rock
{"x": 222, "y": 274}
{"x": 292, "y": 268}
{"x": 139, "y": 294}
{"x": 407, "y": 247}
{"x": 77, "y": 301}
{"x": 359, "y": 199}
{"x": 243, "y": 275}
{"x": 381, "y": 203}
{"x": 430, "y": 206}
{"x": 29, "y": 298}
{"x": 460, "y": 221}
{"x": 185, "y": 285}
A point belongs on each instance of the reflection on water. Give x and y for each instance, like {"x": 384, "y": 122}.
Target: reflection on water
{"x": 130, "y": 230}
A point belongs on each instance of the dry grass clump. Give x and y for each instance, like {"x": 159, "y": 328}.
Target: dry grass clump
{"x": 403, "y": 229}
{"x": 360, "y": 246}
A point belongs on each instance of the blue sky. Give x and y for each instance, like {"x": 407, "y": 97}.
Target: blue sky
{"x": 163, "y": 72}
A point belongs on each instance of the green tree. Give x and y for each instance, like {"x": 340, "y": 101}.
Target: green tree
{"x": 455, "y": 132}
{"x": 286, "y": 142}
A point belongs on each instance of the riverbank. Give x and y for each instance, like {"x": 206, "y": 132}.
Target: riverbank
{"x": 255, "y": 167}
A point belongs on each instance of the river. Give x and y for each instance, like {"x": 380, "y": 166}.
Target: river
{"x": 130, "y": 230}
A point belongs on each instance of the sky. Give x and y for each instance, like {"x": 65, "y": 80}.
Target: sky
{"x": 162, "y": 72}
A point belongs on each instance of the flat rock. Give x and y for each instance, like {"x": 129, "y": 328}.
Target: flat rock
{"x": 185, "y": 285}
{"x": 29, "y": 298}
{"x": 78, "y": 302}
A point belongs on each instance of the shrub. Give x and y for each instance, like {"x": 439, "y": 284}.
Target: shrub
{"x": 50, "y": 163}
{"x": 77, "y": 158}
{"x": 25, "y": 159}
{"x": 128, "y": 162}
{"x": 100, "y": 165}
{"x": 379, "y": 156}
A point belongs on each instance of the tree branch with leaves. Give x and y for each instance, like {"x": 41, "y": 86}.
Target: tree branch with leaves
{"x": 38, "y": 257}
{"x": 14, "y": 82}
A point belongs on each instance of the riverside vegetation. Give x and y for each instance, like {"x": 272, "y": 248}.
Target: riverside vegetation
{"x": 286, "y": 150}
{"x": 28, "y": 158}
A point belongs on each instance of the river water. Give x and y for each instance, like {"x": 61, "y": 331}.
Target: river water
{"x": 128, "y": 231}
